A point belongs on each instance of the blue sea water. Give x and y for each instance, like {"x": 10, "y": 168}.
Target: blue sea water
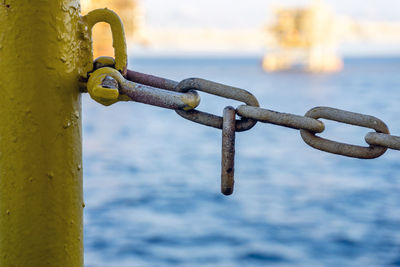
{"x": 152, "y": 179}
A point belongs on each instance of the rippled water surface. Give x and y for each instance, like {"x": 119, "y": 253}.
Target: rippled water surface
{"x": 151, "y": 178}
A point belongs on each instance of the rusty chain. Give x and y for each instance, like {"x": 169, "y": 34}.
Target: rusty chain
{"x": 183, "y": 98}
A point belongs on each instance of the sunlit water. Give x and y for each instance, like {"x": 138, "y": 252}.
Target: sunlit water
{"x": 152, "y": 188}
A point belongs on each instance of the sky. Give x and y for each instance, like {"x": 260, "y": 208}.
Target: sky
{"x": 253, "y": 13}
{"x": 256, "y": 14}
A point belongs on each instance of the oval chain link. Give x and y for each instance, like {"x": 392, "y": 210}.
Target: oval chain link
{"x": 221, "y": 90}
{"x": 349, "y": 118}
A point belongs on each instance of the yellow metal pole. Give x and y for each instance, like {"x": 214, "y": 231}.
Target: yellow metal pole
{"x": 40, "y": 134}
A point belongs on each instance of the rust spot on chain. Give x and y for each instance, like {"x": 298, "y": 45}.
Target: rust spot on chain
{"x": 151, "y": 80}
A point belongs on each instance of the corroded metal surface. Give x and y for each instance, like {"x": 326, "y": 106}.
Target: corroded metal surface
{"x": 159, "y": 97}
{"x": 349, "y": 118}
{"x": 282, "y": 119}
{"x": 251, "y": 113}
{"x": 384, "y": 140}
{"x": 228, "y": 151}
{"x": 151, "y": 80}
{"x": 206, "y": 86}
{"x": 106, "y": 85}
{"x": 221, "y": 90}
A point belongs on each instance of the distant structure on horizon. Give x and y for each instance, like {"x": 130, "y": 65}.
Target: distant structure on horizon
{"x": 131, "y": 14}
{"x": 305, "y": 38}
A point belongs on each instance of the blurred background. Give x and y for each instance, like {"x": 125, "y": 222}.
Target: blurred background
{"x": 152, "y": 179}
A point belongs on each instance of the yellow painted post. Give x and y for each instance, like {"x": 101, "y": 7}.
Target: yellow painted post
{"x": 40, "y": 134}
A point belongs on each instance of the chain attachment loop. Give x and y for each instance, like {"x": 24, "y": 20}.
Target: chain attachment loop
{"x": 346, "y": 117}
{"x": 118, "y": 35}
{"x": 107, "y": 85}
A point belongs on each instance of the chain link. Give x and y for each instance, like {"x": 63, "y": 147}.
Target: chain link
{"x": 221, "y": 90}
{"x": 281, "y": 119}
{"x": 346, "y": 117}
{"x": 228, "y": 151}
